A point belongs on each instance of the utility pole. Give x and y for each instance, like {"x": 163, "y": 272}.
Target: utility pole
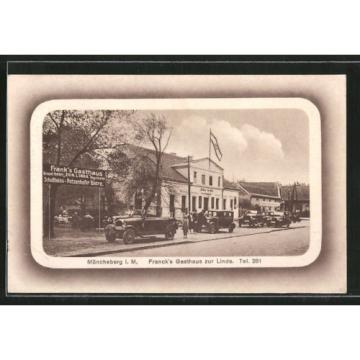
{"x": 189, "y": 186}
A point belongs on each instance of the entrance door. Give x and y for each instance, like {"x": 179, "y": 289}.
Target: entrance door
{"x": 193, "y": 206}
{"x": 206, "y": 203}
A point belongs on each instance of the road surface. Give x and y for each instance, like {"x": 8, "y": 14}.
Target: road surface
{"x": 274, "y": 242}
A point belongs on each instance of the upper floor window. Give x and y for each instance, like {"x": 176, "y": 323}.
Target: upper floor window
{"x": 195, "y": 177}
{"x": 219, "y": 181}
{"x": 203, "y": 179}
{"x": 210, "y": 180}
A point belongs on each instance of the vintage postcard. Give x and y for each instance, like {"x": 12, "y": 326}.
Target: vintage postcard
{"x": 176, "y": 183}
{"x": 134, "y": 184}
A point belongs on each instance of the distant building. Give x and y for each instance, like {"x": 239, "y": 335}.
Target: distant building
{"x": 264, "y": 196}
{"x": 296, "y": 198}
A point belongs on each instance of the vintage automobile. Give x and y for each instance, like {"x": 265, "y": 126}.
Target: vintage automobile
{"x": 252, "y": 219}
{"x": 214, "y": 221}
{"x": 62, "y": 219}
{"x": 278, "y": 219}
{"x": 129, "y": 228}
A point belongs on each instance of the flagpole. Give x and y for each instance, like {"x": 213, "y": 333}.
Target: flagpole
{"x": 209, "y": 147}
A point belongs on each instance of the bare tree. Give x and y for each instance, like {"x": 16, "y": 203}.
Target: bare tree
{"x": 154, "y": 130}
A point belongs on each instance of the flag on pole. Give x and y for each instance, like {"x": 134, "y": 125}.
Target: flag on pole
{"x": 215, "y": 144}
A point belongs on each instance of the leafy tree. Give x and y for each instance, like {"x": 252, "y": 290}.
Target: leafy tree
{"x": 72, "y": 138}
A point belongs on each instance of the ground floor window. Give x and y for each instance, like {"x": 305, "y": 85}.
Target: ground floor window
{"x": 212, "y": 203}
{"x": 183, "y": 203}
{"x": 217, "y": 204}
{"x": 224, "y": 204}
{"x": 200, "y": 202}
{"x": 231, "y": 204}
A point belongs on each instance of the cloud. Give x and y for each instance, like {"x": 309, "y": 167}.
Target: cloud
{"x": 264, "y": 143}
{"x": 248, "y": 152}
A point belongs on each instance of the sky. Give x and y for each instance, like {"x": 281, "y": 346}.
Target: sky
{"x": 257, "y": 145}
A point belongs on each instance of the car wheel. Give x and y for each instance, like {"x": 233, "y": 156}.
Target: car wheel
{"x": 129, "y": 236}
{"x": 169, "y": 235}
{"x": 231, "y": 229}
{"x": 212, "y": 229}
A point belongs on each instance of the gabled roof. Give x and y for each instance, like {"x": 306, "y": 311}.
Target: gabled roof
{"x": 303, "y": 192}
{"x": 231, "y": 185}
{"x": 168, "y": 160}
{"x": 270, "y": 189}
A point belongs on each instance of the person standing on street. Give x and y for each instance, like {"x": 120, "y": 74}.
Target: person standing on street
{"x": 185, "y": 223}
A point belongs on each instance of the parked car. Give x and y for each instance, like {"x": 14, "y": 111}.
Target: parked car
{"x": 252, "y": 219}
{"x": 62, "y": 219}
{"x": 129, "y": 228}
{"x": 278, "y": 219}
{"x": 215, "y": 221}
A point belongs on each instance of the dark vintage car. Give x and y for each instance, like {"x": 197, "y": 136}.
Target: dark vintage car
{"x": 129, "y": 228}
{"x": 213, "y": 221}
{"x": 252, "y": 219}
{"x": 278, "y": 219}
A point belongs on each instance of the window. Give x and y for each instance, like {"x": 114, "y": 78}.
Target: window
{"x": 219, "y": 181}
{"x": 217, "y": 204}
{"x": 231, "y": 204}
{"x": 212, "y": 202}
{"x": 172, "y": 205}
{"x": 195, "y": 177}
{"x": 203, "y": 179}
{"x": 200, "y": 202}
{"x": 235, "y": 202}
{"x": 183, "y": 202}
{"x": 224, "y": 204}
{"x": 210, "y": 180}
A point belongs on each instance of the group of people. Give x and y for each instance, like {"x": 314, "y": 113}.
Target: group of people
{"x": 192, "y": 221}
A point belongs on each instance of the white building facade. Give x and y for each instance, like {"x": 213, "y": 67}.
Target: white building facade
{"x": 207, "y": 187}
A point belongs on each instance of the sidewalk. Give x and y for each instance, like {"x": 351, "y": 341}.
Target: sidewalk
{"x": 95, "y": 244}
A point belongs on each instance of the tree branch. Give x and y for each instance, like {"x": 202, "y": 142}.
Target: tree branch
{"x": 86, "y": 147}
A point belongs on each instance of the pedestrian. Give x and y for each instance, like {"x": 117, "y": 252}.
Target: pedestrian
{"x": 185, "y": 223}
{"x": 75, "y": 220}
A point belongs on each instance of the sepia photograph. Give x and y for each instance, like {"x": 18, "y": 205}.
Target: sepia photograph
{"x": 176, "y": 183}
